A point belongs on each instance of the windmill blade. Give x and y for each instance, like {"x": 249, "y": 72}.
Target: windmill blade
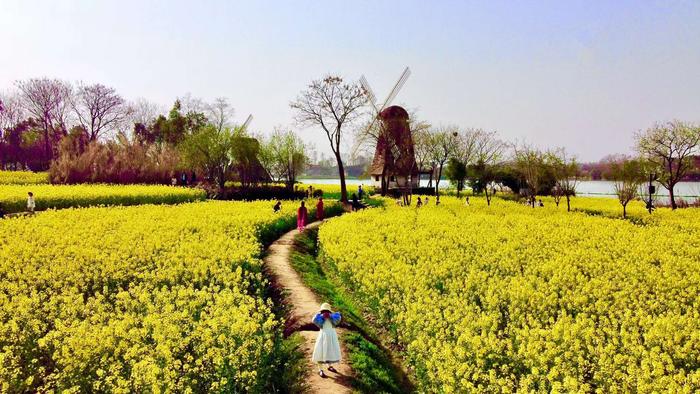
{"x": 395, "y": 91}
{"x": 247, "y": 122}
{"x": 370, "y": 93}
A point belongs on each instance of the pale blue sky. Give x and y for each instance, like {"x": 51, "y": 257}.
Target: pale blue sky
{"x": 583, "y": 75}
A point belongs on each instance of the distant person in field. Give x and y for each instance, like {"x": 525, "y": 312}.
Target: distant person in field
{"x": 183, "y": 179}
{"x": 302, "y": 216}
{"x": 360, "y": 192}
{"x": 327, "y": 348}
{"x": 193, "y": 178}
{"x": 278, "y": 206}
{"x": 320, "y": 213}
{"x": 173, "y": 181}
{"x": 466, "y": 202}
{"x": 426, "y": 200}
{"x": 540, "y": 203}
{"x": 419, "y": 203}
{"x": 437, "y": 200}
{"x": 31, "y": 205}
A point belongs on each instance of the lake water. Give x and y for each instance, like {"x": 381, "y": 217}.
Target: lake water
{"x": 689, "y": 191}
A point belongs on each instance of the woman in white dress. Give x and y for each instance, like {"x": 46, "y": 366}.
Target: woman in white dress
{"x": 327, "y": 349}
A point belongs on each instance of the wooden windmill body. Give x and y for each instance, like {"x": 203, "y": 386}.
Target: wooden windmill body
{"x": 394, "y": 164}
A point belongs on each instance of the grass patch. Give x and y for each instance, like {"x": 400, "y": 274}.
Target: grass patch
{"x": 373, "y": 369}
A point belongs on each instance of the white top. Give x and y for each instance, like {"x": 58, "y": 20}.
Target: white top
{"x": 30, "y": 203}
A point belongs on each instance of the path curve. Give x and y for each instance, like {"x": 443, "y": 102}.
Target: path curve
{"x": 303, "y": 304}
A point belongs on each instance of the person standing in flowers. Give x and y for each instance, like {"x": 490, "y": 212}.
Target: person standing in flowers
{"x": 320, "y": 213}
{"x": 327, "y": 348}
{"x": 278, "y": 206}
{"x": 31, "y": 205}
{"x": 419, "y": 203}
{"x": 302, "y": 216}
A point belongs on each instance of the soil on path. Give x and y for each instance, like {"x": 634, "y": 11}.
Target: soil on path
{"x": 303, "y": 305}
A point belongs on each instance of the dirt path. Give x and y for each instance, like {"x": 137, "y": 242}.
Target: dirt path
{"x": 303, "y": 305}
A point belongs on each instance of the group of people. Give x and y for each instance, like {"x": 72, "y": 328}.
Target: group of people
{"x": 533, "y": 202}
{"x": 303, "y": 213}
{"x": 184, "y": 180}
{"x": 420, "y": 202}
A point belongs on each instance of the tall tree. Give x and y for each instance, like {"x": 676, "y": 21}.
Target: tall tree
{"x": 456, "y": 172}
{"x": 567, "y": 174}
{"x": 530, "y": 164}
{"x": 628, "y": 175}
{"x": 333, "y": 105}
{"x": 485, "y": 150}
{"x": 47, "y": 101}
{"x": 11, "y": 111}
{"x": 443, "y": 143}
{"x": 670, "y": 147}
{"x": 99, "y": 109}
{"x": 210, "y": 151}
{"x": 219, "y": 113}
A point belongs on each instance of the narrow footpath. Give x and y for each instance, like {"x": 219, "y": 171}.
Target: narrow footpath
{"x": 303, "y": 305}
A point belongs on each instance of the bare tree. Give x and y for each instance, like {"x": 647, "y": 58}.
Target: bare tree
{"x": 485, "y": 151}
{"x": 47, "y": 101}
{"x": 567, "y": 173}
{"x": 333, "y": 105}
{"x": 220, "y": 113}
{"x": 11, "y": 111}
{"x": 142, "y": 111}
{"x": 670, "y": 147}
{"x": 99, "y": 109}
{"x": 529, "y": 162}
{"x": 628, "y": 176}
{"x": 443, "y": 144}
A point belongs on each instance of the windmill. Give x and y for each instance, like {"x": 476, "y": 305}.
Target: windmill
{"x": 394, "y": 163}
{"x": 247, "y": 122}
{"x": 392, "y": 94}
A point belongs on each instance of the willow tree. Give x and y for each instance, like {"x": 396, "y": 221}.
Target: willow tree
{"x": 333, "y": 105}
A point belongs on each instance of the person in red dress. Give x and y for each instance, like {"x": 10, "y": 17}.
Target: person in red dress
{"x": 320, "y": 214}
{"x": 301, "y": 217}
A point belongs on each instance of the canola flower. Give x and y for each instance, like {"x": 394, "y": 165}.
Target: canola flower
{"x": 23, "y": 177}
{"x": 509, "y": 298}
{"x": 13, "y": 198}
{"x": 152, "y": 298}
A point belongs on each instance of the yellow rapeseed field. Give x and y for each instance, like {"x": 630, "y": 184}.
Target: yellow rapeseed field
{"x": 151, "y": 298}
{"x": 510, "y": 298}
{"x": 23, "y": 177}
{"x": 13, "y": 198}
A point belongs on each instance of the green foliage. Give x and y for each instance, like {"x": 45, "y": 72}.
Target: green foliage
{"x": 456, "y": 172}
{"x": 210, "y": 150}
{"x": 373, "y": 369}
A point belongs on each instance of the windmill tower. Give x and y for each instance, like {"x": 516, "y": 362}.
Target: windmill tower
{"x": 394, "y": 163}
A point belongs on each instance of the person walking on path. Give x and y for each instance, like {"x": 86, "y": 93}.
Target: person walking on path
{"x": 320, "y": 214}
{"x": 31, "y": 205}
{"x": 355, "y": 202}
{"x": 327, "y": 348}
{"x": 302, "y": 216}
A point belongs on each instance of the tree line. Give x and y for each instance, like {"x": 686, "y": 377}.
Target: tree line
{"x": 90, "y": 133}
{"x": 664, "y": 152}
